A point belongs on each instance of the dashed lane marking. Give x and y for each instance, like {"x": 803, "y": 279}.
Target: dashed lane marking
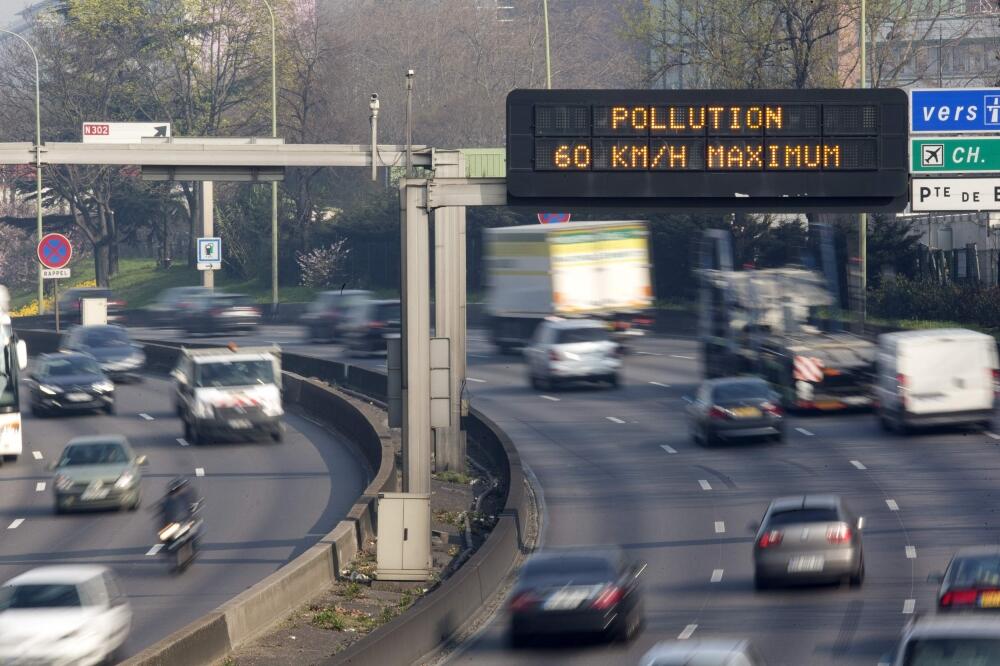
{"x": 660, "y": 385}
{"x": 911, "y": 552}
{"x": 645, "y": 353}
{"x": 668, "y": 448}
{"x": 804, "y": 432}
{"x": 154, "y": 550}
{"x": 614, "y": 419}
{"x": 17, "y": 523}
{"x": 857, "y": 463}
{"x": 476, "y": 380}
{"x": 686, "y": 358}
{"x": 37, "y": 455}
{"x": 705, "y": 485}
{"x": 146, "y": 417}
{"x": 720, "y": 527}
{"x": 182, "y": 441}
{"x": 687, "y": 633}
{"x": 908, "y": 606}
{"x": 549, "y": 397}
{"x": 199, "y": 471}
{"x": 717, "y": 575}
{"x": 40, "y": 486}
{"x": 891, "y": 503}
{"x": 992, "y": 435}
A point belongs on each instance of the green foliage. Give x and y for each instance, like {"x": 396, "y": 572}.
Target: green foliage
{"x": 969, "y": 304}
{"x": 329, "y": 618}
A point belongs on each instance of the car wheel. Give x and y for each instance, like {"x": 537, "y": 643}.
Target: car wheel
{"x": 58, "y": 510}
{"x": 109, "y": 408}
{"x": 188, "y": 433}
{"x": 859, "y": 577}
{"x": 883, "y": 422}
{"x": 708, "y": 438}
{"x": 761, "y": 583}
{"x": 278, "y": 435}
{"x": 535, "y": 383}
{"x": 517, "y": 639}
{"x": 614, "y": 380}
{"x": 37, "y": 412}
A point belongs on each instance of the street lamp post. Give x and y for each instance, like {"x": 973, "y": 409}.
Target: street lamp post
{"x": 863, "y": 220}
{"x": 548, "y": 58}
{"x": 38, "y": 165}
{"x": 274, "y": 133}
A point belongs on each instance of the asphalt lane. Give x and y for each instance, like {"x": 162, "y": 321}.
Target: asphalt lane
{"x": 619, "y": 467}
{"x": 265, "y": 503}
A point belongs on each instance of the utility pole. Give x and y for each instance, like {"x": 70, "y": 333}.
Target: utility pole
{"x": 373, "y": 105}
{"x": 863, "y": 219}
{"x": 409, "y": 123}
{"x": 206, "y": 197}
{"x": 548, "y": 56}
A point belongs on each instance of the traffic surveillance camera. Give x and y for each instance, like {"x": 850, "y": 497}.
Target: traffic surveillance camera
{"x": 409, "y": 73}
{"x": 373, "y": 102}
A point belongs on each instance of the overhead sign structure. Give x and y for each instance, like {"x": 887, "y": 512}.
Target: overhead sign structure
{"x": 103, "y": 132}
{"x": 54, "y": 251}
{"x": 690, "y": 149}
{"x": 553, "y": 218}
{"x": 209, "y": 254}
{"x": 51, "y": 273}
{"x": 949, "y": 110}
{"x": 954, "y": 155}
{"x": 955, "y": 194}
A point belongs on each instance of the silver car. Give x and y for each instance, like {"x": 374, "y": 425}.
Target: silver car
{"x": 811, "y": 538}
{"x": 733, "y": 408}
{"x": 703, "y": 652}
{"x": 565, "y": 350}
{"x": 936, "y": 639}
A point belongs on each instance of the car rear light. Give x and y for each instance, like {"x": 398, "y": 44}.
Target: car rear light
{"x": 255, "y": 310}
{"x": 119, "y": 304}
{"x": 959, "y": 598}
{"x": 717, "y": 412}
{"x": 995, "y": 376}
{"x": 772, "y": 409}
{"x": 769, "y": 539}
{"x": 608, "y": 597}
{"x": 524, "y": 601}
{"x": 554, "y": 355}
{"x": 215, "y": 312}
{"x": 377, "y": 324}
{"x": 901, "y": 383}
{"x": 839, "y": 534}
{"x": 643, "y": 321}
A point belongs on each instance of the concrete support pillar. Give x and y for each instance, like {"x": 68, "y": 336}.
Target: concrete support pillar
{"x": 206, "y": 201}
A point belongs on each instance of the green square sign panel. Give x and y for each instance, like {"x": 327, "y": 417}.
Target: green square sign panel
{"x": 950, "y": 155}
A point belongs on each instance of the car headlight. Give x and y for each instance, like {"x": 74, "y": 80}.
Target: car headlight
{"x": 125, "y": 480}
{"x": 272, "y": 409}
{"x": 104, "y": 386}
{"x": 63, "y": 482}
{"x": 169, "y": 531}
{"x": 48, "y": 389}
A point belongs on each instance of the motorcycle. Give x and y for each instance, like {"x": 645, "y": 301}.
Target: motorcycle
{"x": 180, "y": 540}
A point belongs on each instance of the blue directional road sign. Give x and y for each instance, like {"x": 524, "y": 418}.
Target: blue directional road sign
{"x": 950, "y": 110}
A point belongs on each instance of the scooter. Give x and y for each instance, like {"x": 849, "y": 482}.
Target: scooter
{"x": 180, "y": 540}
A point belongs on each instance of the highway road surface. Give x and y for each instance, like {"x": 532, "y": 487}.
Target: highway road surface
{"x": 265, "y": 503}
{"x": 618, "y": 467}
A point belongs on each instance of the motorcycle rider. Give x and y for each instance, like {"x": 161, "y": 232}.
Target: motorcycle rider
{"x": 180, "y": 503}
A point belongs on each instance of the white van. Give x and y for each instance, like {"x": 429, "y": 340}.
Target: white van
{"x": 936, "y": 377}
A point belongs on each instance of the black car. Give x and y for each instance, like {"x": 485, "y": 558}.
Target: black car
{"x": 169, "y": 306}
{"x": 577, "y": 591}
{"x": 369, "y": 323}
{"x": 735, "y": 408}
{"x": 71, "y": 310}
{"x": 69, "y": 382}
{"x": 327, "y": 315}
{"x": 218, "y": 313}
{"x": 119, "y": 358}
{"x": 972, "y": 580}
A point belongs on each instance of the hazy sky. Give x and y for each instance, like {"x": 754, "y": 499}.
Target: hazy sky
{"x": 9, "y": 8}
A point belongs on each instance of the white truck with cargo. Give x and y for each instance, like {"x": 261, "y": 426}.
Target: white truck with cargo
{"x": 598, "y": 269}
{"x": 945, "y": 376}
{"x": 13, "y": 359}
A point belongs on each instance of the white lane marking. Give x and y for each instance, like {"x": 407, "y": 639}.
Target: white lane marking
{"x": 804, "y": 432}
{"x": 549, "y": 397}
{"x": 908, "y": 606}
{"x": 857, "y": 463}
{"x": 37, "y": 455}
{"x": 17, "y": 523}
{"x": 688, "y": 358}
{"x": 891, "y": 503}
{"x": 717, "y": 575}
{"x": 645, "y": 353}
{"x": 660, "y": 385}
{"x": 705, "y": 485}
{"x": 40, "y": 486}
{"x": 992, "y": 435}
{"x": 478, "y": 355}
{"x": 614, "y": 419}
{"x": 688, "y": 631}
{"x": 720, "y": 527}
{"x": 145, "y": 416}
{"x": 199, "y": 471}
{"x": 157, "y": 547}
{"x": 911, "y": 552}
{"x": 476, "y": 380}
{"x": 182, "y": 441}
{"x": 668, "y": 448}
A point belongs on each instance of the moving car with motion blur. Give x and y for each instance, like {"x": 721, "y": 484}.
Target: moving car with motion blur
{"x": 69, "y": 382}
{"x": 217, "y": 313}
{"x": 120, "y": 358}
{"x": 702, "y": 652}
{"x": 368, "y": 323}
{"x": 735, "y": 408}
{"x": 170, "y": 305}
{"x": 568, "y": 350}
{"x": 946, "y": 640}
{"x": 97, "y": 472}
{"x": 936, "y": 377}
{"x": 577, "y": 591}
{"x": 63, "y": 616}
{"x": 229, "y": 391}
{"x": 71, "y": 310}
{"x": 971, "y": 581}
{"x": 327, "y": 316}
{"x": 808, "y": 539}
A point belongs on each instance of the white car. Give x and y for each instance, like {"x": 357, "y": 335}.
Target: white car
{"x": 564, "y": 350}
{"x": 62, "y": 615}
{"x": 703, "y": 652}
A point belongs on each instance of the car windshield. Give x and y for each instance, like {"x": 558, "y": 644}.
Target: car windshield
{"x": 93, "y": 454}
{"x": 8, "y": 397}
{"x": 73, "y": 365}
{"x": 234, "y": 373}
{"x": 952, "y": 652}
{"x": 106, "y": 337}
{"x": 798, "y": 516}
{"x": 578, "y": 570}
{"x": 39, "y": 596}
{"x": 740, "y": 391}
{"x": 583, "y": 334}
{"x": 975, "y": 572}
{"x": 230, "y": 301}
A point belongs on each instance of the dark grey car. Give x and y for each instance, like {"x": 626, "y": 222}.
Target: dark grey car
{"x": 810, "y": 538}
{"x": 735, "y": 408}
